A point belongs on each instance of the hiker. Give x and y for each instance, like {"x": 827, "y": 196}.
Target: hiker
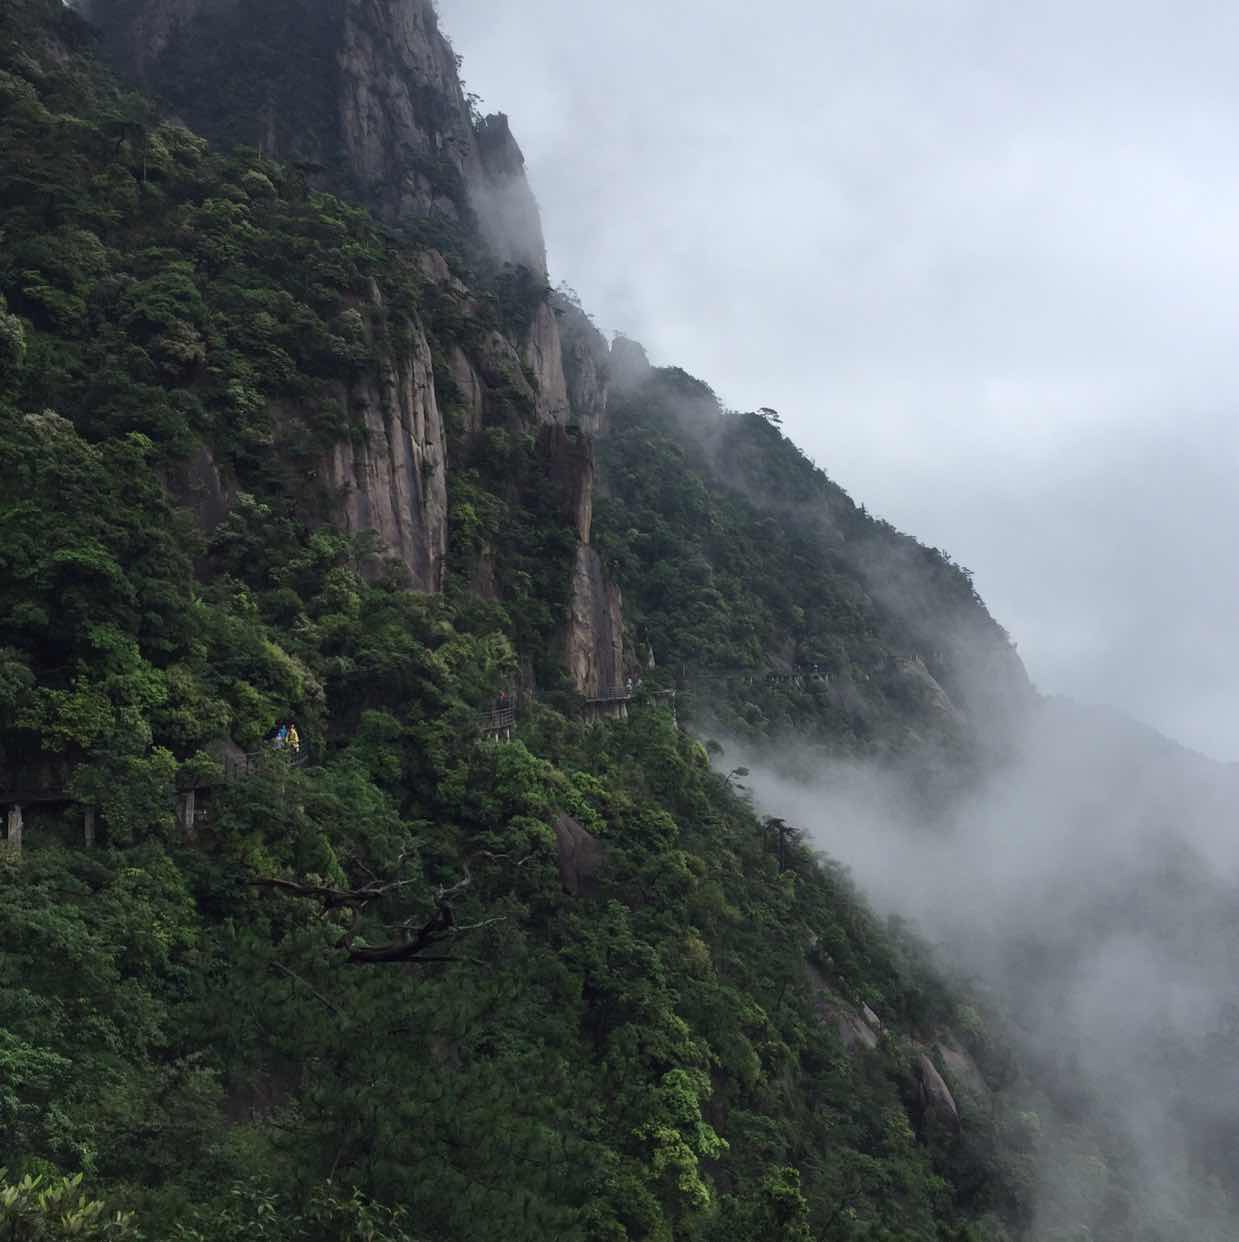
{"x": 294, "y": 739}
{"x": 281, "y": 737}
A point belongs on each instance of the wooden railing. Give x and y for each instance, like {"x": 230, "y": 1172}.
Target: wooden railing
{"x": 497, "y": 720}
{"x": 612, "y": 694}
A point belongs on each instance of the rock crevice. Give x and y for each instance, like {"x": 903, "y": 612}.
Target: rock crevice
{"x": 391, "y": 475}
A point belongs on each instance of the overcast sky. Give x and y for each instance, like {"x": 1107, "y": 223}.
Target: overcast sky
{"x": 982, "y": 255}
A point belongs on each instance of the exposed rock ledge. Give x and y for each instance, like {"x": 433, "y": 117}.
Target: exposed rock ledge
{"x": 391, "y": 477}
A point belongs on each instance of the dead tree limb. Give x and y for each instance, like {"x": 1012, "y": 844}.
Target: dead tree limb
{"x": 312, "y": 990}
{"x": 415, "y": 940}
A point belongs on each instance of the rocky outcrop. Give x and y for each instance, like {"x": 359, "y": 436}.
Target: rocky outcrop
{"x": 594, "y": 642}
{"x": 928, "y": 690}
{"x": 198, "y": 486}
{"x": 365, "y": 94}
{"x": 965, "y": 1075}
{"x": 851, "y": 1025}
{"x": 391, "y": 476}
{"x": 594, "y": 633}
{"x": 629, "y": 364}
{"x": 150, "y": 30}
{"x": 544, "y": 356}
{"x": 483, "y": 583}
{"x": 469, "y": 387}
{"x": 403, "y": 120}
{"x": 508, "y": 395}
{"x": 936, "y": 1105}
{"x": 581, "y": 855}
{"x": 506, "y": 209}
{"x": 569, "y": 456}
{"x": 586, "y": 366}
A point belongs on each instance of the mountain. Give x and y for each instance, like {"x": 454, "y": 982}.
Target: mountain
{"x": 294, "y": 430}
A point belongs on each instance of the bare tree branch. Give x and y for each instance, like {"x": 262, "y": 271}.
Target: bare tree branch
{"x": 415, "y": 940}
{"x": 313, "y": 991}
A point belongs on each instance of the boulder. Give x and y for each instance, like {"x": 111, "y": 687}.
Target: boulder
{"x": 937, "y": 1105}
{"x": 851, "y": 1027}
{"x": 963, "y": 1071}
{"x": 581, "y": 855}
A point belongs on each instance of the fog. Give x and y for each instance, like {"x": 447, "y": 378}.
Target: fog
{"x": 982, "y": 260}
{"x": 981, "y": 257}
{"x": 1087, "y": 892}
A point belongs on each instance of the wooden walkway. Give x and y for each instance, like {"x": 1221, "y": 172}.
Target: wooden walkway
{"x": 498, "y": 722}
{"x": 16, "y": 795}
{"x": 49, "y": 786}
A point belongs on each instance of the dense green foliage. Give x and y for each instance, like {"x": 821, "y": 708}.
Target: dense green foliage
{"x": 360, "y": 1001}
{"x": 738, "y": 556}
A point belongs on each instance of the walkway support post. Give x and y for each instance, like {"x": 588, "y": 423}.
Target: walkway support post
{"x": 14, "y": 841}
{"x": 185, "y": 810}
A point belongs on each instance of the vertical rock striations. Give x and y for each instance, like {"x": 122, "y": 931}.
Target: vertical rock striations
{"x": 391, "y": 476}
{"x": 544, "y": 356}
{"x": 365, "y": 93}
{"x": 594, "y": 631}
{"x": 586, "y": 365}
{"x": 569, "y": 457}
{"x": 506, "y": 209}
{"x": 594, "y": 642}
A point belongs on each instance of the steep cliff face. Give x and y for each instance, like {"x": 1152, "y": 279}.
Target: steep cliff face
{"x": 470, "y": 389}
{"x": 403, "y": 119}
{"x": 544, "y": 356}
{"x": 569, "y": 457}
{"x": 629, "y": 364}
{"x": 366, "y": 96}
{"x": 594, "y": 642}
{"x": 505, "y": 206}
{"x": 365, "y": 93}
{"x": 594, "y": 631}
{"x": 391, "y": 477}
{"x": 586, "y": 365}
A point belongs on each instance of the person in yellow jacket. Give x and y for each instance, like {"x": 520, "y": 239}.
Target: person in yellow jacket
{"x": 294, "y": 739}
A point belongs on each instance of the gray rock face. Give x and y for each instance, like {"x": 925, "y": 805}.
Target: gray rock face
{"x": 544, "y": 356}
{"x": 392, "y": 478}
{"x": 198, "y": 485}
{"x": 581, "y": 855}
{"x": 506, "y": 209}
{"x": 964, "y": 1073}
{"x": 937, "y": 1104}
{"x": 630, "y": 366}
{"x": 850, "y": 1025}
{"x": 367, "y": 90}
{"x": 569, "y": 456}
{"x": 497, "y": 364}
{"x": 931, "y": 692}
{"x": 469, "y": 384}
{"x": 586, "y": 364}
{"x": 366, "y": 95}
{"x": 403, "y": 119}
{"x": 594, "y": 632}
{"x": 594, "y": 642}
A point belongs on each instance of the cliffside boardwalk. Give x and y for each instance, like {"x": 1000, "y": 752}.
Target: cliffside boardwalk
{"x": 49, "y": 789}
{"x": 498, "y": 723}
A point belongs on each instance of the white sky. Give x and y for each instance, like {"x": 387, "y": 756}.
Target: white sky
{"x": 982, "y": 255}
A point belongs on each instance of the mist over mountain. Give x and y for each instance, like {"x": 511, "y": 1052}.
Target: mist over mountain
{"x": 461, "y": 780}
{"x": 1086, "y": 886}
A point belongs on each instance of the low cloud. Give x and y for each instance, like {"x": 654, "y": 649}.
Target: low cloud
{"x": 980, "y": 257}
{"x": 1087, "y": 888}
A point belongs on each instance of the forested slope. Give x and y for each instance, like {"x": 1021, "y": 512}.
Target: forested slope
{"x": 264, "y": 459}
